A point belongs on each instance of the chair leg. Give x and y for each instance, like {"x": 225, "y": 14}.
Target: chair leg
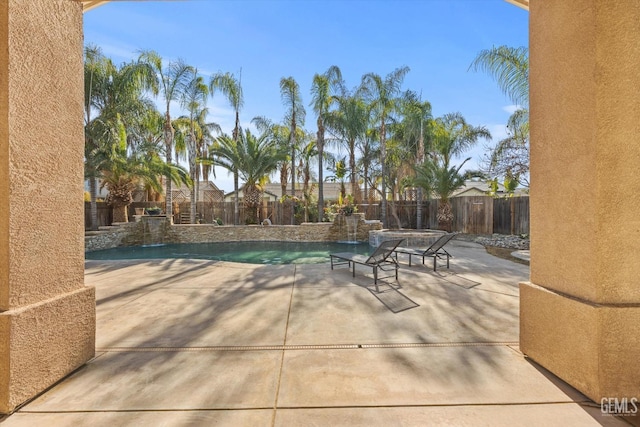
{"x": 447, "y": 260}
{"x": 375, "y": 278}
{"x": 435, "y": 262}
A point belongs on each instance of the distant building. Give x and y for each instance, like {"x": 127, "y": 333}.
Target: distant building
{"x": 474, "y": 187}
{"x": 207, "y": 192}
{"x": 330, "y": 190}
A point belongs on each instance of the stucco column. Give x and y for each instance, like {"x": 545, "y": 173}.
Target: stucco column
{"x": 581, "y": 312}
{"x": 47, "y": 315}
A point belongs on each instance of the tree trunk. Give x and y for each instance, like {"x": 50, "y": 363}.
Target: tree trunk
{"x": 120, "y": 213}
{"x": 419, "y": 208}
{"x": 445, "y": 216}
{"x": 93, "y": 193}
{"x": 383, "y": 159}
{"x": 236, "y": 201}
{"x": 168, "y": 142}
{"x": 292, "y": 139}
{"x": 320, "y": 171}
{"x": 419, "y": 189}
{"x": 394, "y": 213}
{"x": 192, "y": 199}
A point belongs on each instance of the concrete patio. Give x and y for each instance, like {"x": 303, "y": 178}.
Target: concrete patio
{"x": 199, "y": 343}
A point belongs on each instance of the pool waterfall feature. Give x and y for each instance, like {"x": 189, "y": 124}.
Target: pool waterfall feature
{"x": 412, "y": 238}
{"x": 161, "y": 230}
{"x": 153, "y": 229}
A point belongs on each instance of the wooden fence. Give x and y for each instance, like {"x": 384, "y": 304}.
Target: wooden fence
{"x": 474, "y": 215}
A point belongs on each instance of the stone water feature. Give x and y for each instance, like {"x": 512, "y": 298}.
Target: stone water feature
{"x": 153, "y": 229}
{"x": 412, "y": 238}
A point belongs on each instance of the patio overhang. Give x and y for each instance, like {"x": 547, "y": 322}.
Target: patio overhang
{"x": 91, "y": 4}
{"x": 520, "y": 3}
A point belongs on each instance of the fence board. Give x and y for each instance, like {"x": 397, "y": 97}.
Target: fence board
{"x": 474, "y": 215}
{"x": 502, "y": 222}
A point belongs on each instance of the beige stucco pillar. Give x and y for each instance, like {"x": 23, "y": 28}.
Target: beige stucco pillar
{"x": 47, "y": 315}
{"x": 581, "y": 312}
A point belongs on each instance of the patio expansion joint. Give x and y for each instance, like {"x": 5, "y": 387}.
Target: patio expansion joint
{"x": 447, "y": 405}
{"x": 286, "y": 347}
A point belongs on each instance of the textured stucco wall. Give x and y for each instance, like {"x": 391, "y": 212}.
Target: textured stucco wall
{"x": 45, "y": 147}
{"x": 47, "y": 315}
{"x": 578, "y": 314}
{"x": 585, "y": 130}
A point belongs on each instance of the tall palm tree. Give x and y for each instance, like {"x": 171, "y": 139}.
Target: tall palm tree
{"x": 349, "y": 122}
{"x": 383, "y": 98}
{"x": 280, "y": 134}
{"x": 194, "y": 99}
{"x": 231, "y": 88}
{"x": 321, "y": 100}
{"x": 416, "y": 122}
{"x": 294, "y": 116}
{"x": 170, "y": 82}
{"x": 452, "y": 136}
{"x": 509, "y": 67}
{"x": 308, "y": 153}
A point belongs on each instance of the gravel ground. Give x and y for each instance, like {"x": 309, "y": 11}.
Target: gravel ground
{"x": 497, "y": 240}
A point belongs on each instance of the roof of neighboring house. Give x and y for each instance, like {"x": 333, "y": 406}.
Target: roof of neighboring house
{"x": 472, "y": 186}
{"x": 231, "y": 193}
{"x": 202, "y": 185}
{"x": 330, "y": 190}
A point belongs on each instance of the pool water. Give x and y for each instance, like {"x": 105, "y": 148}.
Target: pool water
{"x": 246, "y": 252}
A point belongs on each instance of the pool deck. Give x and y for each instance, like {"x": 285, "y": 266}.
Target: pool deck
{"x": 199, "y": 343}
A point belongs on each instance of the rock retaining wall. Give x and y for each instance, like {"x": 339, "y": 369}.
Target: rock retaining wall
{"x": 131, "y": 234}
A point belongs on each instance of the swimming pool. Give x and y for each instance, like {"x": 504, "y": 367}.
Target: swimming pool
{"x": 246, "y": 252}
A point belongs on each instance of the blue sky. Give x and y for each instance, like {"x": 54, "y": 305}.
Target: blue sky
{"x": 271, "y": 39}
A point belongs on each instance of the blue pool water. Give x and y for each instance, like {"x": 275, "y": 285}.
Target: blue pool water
{"x": 247, "y": 252}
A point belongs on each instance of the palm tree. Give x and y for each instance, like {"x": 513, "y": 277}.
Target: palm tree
{"x": 255, "y": 158}
{"x": 193, "y": 99}
{"x": 452, "y": 136}
{"x": 321, "y": 99}
{"x": 308, "y": 153}
{"x": 349, "y": 123}
{"x": 416, "y": 122}
{"x": 170, "y": 81}
{"x": 116, "y": 96}
{"x": 232, "y": 89}
{"x": 383, "y": 97}
{"x": 95, "y": 76}
{"x": 280, "y": 134}
{"x": 510, "y": 68}
{"x": 436, "y": 177}
{"x": 290, "y": 94}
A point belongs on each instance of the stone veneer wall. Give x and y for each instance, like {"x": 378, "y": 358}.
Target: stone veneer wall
{"x": 131, "y": 234}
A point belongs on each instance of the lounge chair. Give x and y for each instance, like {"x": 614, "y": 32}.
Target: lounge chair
{"x": 436, "y": 250}
{"x": 382, "y": 258}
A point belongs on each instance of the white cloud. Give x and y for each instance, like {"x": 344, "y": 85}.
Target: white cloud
{"x": 498, "y": 131}
{"x": 511, "y": 108}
